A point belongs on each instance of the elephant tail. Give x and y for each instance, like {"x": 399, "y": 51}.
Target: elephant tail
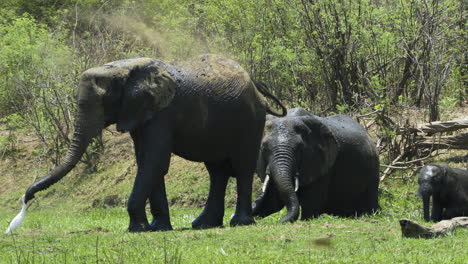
{"x": 262, "y": 88}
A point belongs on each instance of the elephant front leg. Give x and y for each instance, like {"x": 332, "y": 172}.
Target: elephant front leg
{"x": 136, "y": 207}
{"x": 436, "y": 209}
{"x": 152, "y": 151}
{"x": 213, "y": 213}
{"x": 268, "y": 203}
{"x": 160, "y": 208}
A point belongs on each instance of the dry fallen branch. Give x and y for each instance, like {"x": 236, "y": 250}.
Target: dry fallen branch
{"x": 404, "y": 165}
{"x": 437, "y": 127}
{"x": 444, "y": 126}
{"x": 412, "y": 229}
{"x": 447, "y": 142}
{"x": 389, "y": 168}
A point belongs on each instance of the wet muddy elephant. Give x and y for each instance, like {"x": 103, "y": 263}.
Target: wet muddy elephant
{"x": 319, "y": 165}
{"x": 207, "y": 109}
{"x": 448, "y": 188}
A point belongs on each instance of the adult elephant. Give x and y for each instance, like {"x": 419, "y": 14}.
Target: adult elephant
{"x": 322, "y": 165}
{"x": 207, "y": 109}
{"x": 448, "y": 188}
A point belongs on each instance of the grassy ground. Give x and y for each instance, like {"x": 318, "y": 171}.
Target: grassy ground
{"x": 82, "y": 219}
{"x": 64, "y": 235}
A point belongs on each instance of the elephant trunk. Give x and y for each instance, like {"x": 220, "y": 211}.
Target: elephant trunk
{"x": 88, "y": 124}
{"x": 269, "y": 202}
{"x": 283, "y": 176}
{"x": 425, "y": 191}
{"x": 426, "y": 198}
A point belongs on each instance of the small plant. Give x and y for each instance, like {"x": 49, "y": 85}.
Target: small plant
{"x": 7, "y": 144}
{"x": 342, "y": 108}
{"x": 447, "y": 105}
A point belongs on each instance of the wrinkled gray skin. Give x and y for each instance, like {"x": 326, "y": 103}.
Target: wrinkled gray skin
{"x": 448, "y": 188}
{"x": 333, "y": 159}
{"x": 207, "y": 109}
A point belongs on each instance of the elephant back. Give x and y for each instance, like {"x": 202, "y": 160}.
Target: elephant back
{"x": 357, "y": 152}
{"x": 211, "y": 76}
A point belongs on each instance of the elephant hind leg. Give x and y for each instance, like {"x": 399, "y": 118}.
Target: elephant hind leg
{"x": 450, "y": 213}
{"x": 367, "y": 203}
{"x": 313, "y": 199}
{"x": 243, "y": 167}
{"x": 213, "y": 213}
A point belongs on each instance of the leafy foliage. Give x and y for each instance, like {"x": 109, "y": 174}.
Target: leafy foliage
{"x": 328, "y": 56}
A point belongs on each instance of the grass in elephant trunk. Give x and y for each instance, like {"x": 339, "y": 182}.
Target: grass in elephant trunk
{"x": 64, "y": 235}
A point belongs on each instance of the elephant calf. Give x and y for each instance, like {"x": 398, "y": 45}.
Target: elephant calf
{"x": 448, "y": 188}
{"x": 324, "y": 165}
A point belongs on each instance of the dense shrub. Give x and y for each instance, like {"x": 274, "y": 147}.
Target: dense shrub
{"x": 36, "y": 80}
{"x": 325, "y": 55}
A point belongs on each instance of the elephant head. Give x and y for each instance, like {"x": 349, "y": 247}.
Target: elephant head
{"x": 126, "y": 93}
{"x": 431, "y": 180}
{"x": 296, "y": 150}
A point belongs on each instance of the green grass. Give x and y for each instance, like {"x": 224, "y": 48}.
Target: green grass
{"x": 65, "y": 235}
{"x": 62, "y": 226}
{"x": 69, "y": 223}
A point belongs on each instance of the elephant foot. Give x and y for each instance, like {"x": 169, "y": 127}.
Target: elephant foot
{"x": 204, "y": 221}
{"x": 140, "y": 227}
{"x": 259, "y": 211}
{"x": 257, "y": 207}
{"x": 242, "y": 220}
{"x": 160, "y": 226}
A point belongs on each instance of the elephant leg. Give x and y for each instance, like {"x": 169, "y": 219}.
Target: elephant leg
{"x": 268, "y": 203}
{"x": 313, "y": 200}
{"x": 368, "y": 202}
{"x": 159, "y": 207}
{"x": 213, "y": 213}
{"x": 436, "y": 209}
{"x": 152, "y": 151}
{"x": 244, "y": 169}
{"x": 450, "y": 213}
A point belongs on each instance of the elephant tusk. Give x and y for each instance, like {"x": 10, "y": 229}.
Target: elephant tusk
{"x": 296, "y": 184}
{"x": 265, "y": 183}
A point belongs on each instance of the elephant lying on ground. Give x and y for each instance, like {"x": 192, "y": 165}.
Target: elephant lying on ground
{"x": 448, "y": 188}
{"x": 324, "y": 165}
{"x": 207, "y": 110}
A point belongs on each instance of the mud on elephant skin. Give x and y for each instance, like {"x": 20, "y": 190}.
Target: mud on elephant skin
{"x": 316, "y": 165}
{"x": 448, "y": 188}
{"x": 207, "y": 110}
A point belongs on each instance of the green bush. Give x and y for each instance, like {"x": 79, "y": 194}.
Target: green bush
{"x": 36, "y": 79}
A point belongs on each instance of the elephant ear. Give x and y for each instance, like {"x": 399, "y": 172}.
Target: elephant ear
{"x": 147, "y": 89}
{"x": 261, "y": 166}
{"x": 320, "y": 151}
{"x": 440, "y": 177}
{"x": 261, "y": 161}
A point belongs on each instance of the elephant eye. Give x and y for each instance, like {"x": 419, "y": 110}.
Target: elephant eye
{"x": 264, "y": 148}
{"x": 302, "y": 129}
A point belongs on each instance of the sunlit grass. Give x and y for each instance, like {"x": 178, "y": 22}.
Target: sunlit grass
{"x": 64, "y": 235}
{"x": 66, "y": 225}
